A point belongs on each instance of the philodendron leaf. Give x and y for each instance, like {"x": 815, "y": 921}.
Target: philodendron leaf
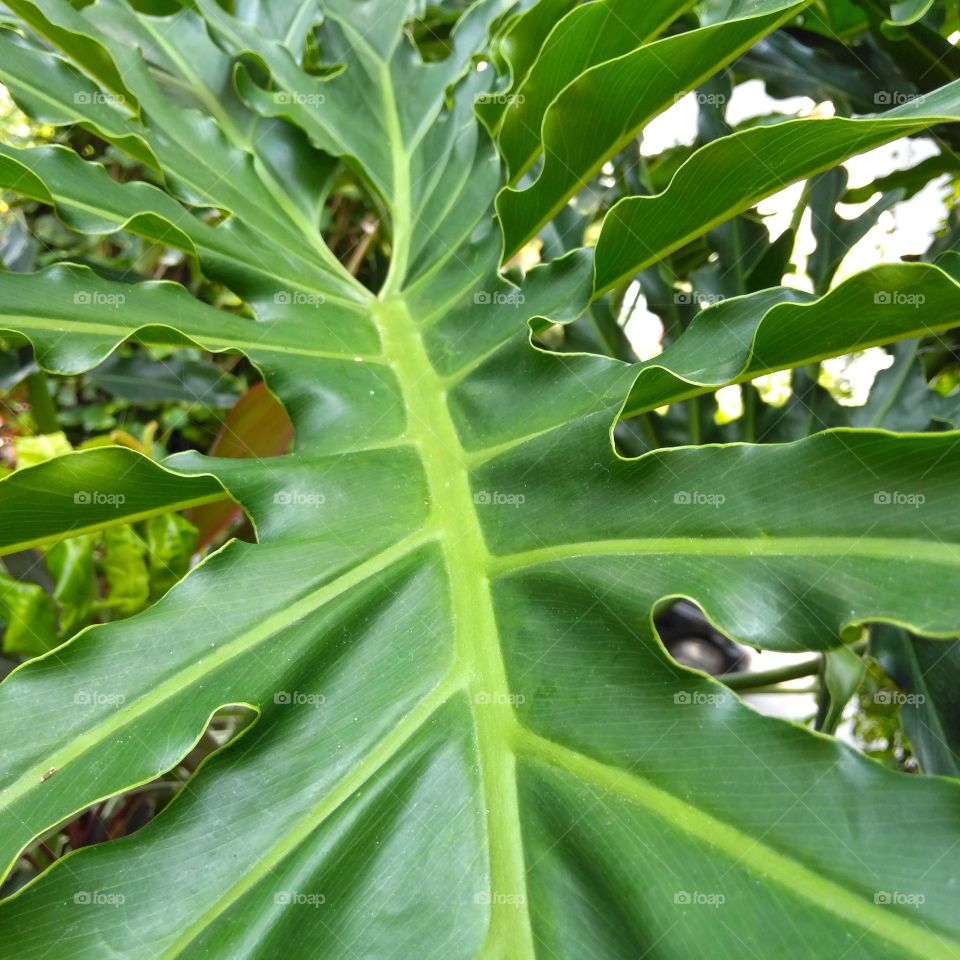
{"x": 469, "y": 742}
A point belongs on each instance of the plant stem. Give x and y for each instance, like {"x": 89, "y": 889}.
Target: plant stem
{"x": 766, "y": 678}
{"x": 790, "y": 671}
{"x": 42, "y": 407}
{"x": 750, "y": 400}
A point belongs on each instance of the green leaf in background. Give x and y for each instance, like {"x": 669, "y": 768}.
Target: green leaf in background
{"x": 617, "y": 28}
{"x": 144, "y": 380}
{"x": 925, "y": 672}
{"x": 171, "y": 541}
{"x": 29, "y": 618}
{"x": 125, "y": 570}
{"x": 71, "y": 563}
{"x": 41, "y": 448}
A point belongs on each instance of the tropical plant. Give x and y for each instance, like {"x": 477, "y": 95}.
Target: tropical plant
{"x": 468, "y": 741}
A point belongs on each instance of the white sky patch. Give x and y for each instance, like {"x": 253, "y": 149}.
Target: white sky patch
{"x": 644, "y": 329}
{"x": 675, "y": 127}
{"x": 750, "y": 100}
{"x": 850, "y": 378}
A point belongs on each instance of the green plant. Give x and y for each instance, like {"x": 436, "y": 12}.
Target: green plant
{"x": 468, "y": 742}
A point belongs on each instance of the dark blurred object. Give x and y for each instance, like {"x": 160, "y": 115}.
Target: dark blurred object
{"x": 694, "y": 642}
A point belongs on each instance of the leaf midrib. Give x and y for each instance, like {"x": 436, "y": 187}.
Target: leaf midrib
{"x": 478, "y": 656}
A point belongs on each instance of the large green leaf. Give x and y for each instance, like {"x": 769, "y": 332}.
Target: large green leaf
{"x": 468, "y": 741}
